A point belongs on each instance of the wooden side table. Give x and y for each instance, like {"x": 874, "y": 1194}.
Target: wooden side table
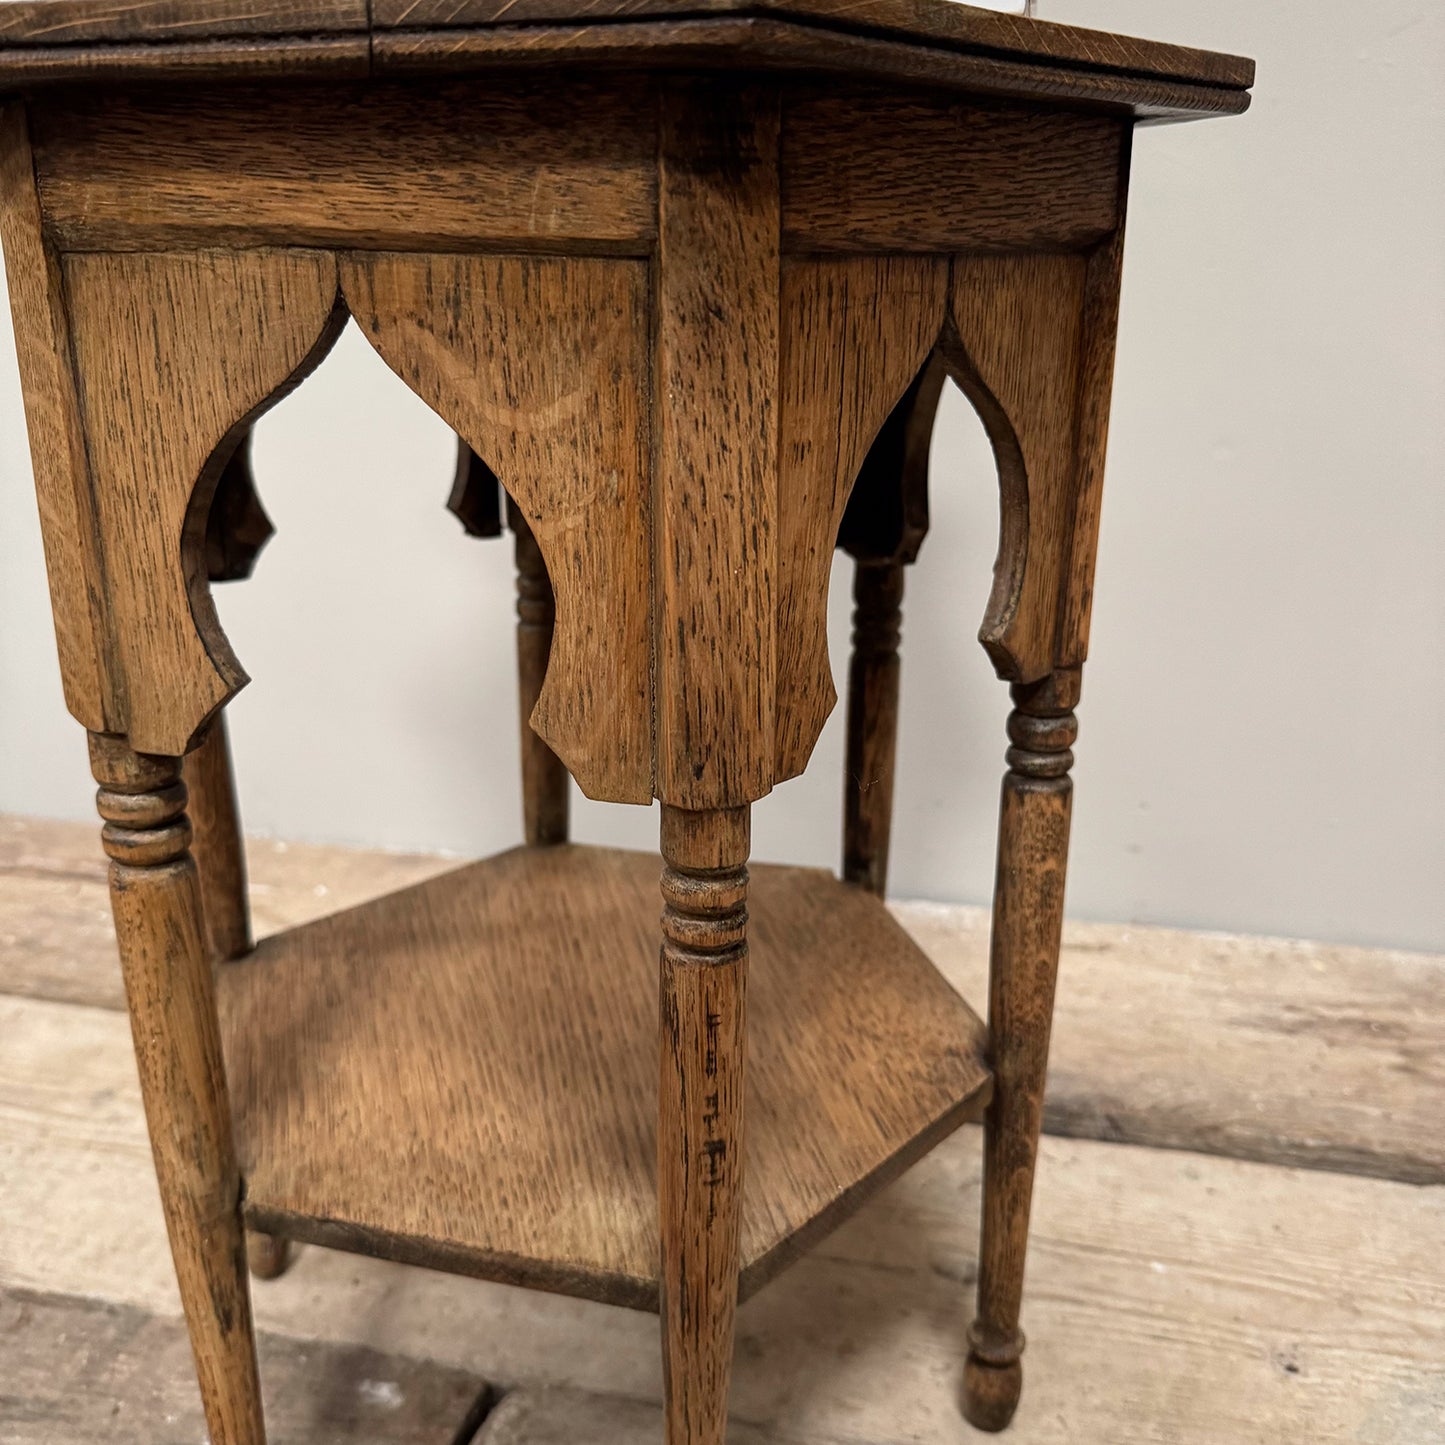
{"x": 678, "y": 272}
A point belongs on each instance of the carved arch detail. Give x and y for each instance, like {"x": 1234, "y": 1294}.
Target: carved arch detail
{"x": 855, "y": 334}
{"x": 539, "y": 365}
{"x": 1013, "y": 346}
{"x": 176, "y": 355}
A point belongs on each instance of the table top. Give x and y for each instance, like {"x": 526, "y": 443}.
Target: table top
{"x": 46, "y": 42}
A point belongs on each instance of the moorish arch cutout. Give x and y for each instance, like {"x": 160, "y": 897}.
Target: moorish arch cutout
{"x": 176, "y": 355}
{"x": 540, "y": 365}
{"x": 866, "y": 346}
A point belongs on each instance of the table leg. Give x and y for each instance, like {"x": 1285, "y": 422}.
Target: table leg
{"x": 700, "y": 1133}
{"x": 1028, "y": 918}
{"x": 873, "y": 678}
{"x": 156, "y": 899}
{"x": 544, "y": 778}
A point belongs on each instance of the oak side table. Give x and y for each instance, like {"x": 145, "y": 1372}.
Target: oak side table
{"x": 685, "y": 277}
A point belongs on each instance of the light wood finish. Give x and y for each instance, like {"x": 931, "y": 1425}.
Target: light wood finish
{"x": 57, "y": 443}
{"x": 677, "y": 319}
{"x": 715, "y": 478}
{"x": 515, "y": 353}
{"x": 1015, "y": 179}
{"x": 159, "y": 927}
{"x": 237, "y": 329}
{"x": 1018, "y": 326}
{"x": 1171, "y": 1296}
{"x": 1028, "y": 919}
{"x": 544, "y": 779}
{"x": 537, "y": 1164}
{"x": 82, "y": 1370}
{"x": 856, "y": 333}
{"x": 447, "y": 166}
{"x": 701, "y": 1137}
{"x": 1126, "y": 1061}
{"x": 217, "y": 844}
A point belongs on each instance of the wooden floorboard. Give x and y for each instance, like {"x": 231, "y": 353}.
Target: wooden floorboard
{"x": 79, "y": 1371}
{"x": 1324, "y": 1056}
{"x": 1173, "y": 1298}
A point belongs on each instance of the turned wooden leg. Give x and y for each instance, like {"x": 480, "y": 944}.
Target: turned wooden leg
{"x": 872, "y": 723}
{"x": 220, "y": 854}
{"x": 217, "y": 845}
{"x": 544, "y": 779}
{"x": 156, "y": 899}
{"x": 1028, "y": 914}
{"x": 700, "y": 1133}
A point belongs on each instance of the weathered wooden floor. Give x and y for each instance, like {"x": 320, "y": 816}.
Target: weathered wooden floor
{"x": 1188, "y": 1282}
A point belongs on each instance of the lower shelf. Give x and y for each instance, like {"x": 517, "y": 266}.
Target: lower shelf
{"x": 464, "y": 1074}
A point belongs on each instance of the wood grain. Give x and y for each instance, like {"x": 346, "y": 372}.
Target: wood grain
{"x": 1098, "y": 329}
{"x": 235, "y": 332}
{"x": 701, "y": 1130}
{"x": 765, "y": 46}
{"x": 57, "y": 441}
{"x": 1170, "y": 1296}
{"x": 882, "y": 529}
{"x": 1016, "y": 355}
{"x": 1126, "y": 1062}
{"x": 538, "y": 1161}
{"x": 449, "y": 165}
{"x": 80, "y": 1370}
{"x": 70, "y": 22}
{"x": 217, "y": 844}
{"x": 535, "y": 363}
{"x": 921, "y": 20}
{"x": 873, "y": 170}
{"x": 855, "y": 335}
{"x": 160, "y": 930}
{"x": 1028, "y": 920}
{"x": 715, "y": 519}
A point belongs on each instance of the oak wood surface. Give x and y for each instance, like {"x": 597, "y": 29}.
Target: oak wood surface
{"x": 1359, "y": 1025}
{"x": 702, "y": 1154}
{"x": 217, "y": 844}
{"x": 45, "y": 43}
{"x": 1171, "y": 1296}
{"x": 1015, "y": 353}
{"x": 236, "y": 331}
{"x": 856, "y": 333}
{"x": 535, "y": 361}
{"x": 57, "y": 441}
{"x": 82, "y": 1370}
{"x": 964, "y": 25}
{"x": 932, "y": 173}
{"x": 1028, "y": 920}
{"x": 766, "y": 45}
{"x": 441, "y": 1003}
{"x": 160, "y": 933}
{"x": 715, "y": 514}
{"x": 444, "y": 165}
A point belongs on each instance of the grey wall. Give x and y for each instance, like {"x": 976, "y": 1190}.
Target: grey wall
{"x": 1260, "y": 727}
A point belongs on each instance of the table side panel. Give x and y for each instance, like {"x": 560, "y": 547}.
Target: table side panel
{"x": 384, "y": 166}
{"x": 873, "y": 171}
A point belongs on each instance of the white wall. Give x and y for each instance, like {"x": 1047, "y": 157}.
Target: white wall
{"x": 1261, "y": 723}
